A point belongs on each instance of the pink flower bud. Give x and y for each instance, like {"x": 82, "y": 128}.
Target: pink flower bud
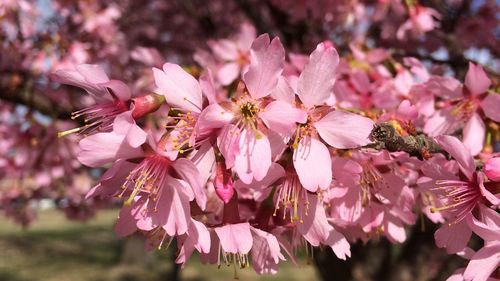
{"x": 492, "y": 169}
{"x": 224, "y": 185}
{"x": 328, "y": 44}
{"x": 146, "y": 104}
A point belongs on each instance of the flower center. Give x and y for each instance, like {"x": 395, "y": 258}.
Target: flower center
{"x": 302, "y": 131}
{"x": 464, "y": 109}
{"x": 247, "y": 116}
{"x": 149, "y": 177}
{"x": 248, "y": 110}
{"x": 458, "y": 197}
{"x": 371, "y": 183}
{"x": 291, "y": 195}
{"x": 182, "y": 136}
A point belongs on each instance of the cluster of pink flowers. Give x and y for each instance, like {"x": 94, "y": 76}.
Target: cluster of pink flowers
{"x": 260, "y": 156}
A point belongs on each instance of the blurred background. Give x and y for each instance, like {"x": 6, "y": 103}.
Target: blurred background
{"x": 57, "y": 249}
{"x": 49, "y": 232}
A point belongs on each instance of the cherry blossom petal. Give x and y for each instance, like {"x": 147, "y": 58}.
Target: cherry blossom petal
{"x": 228, "y": 143}
{"x": 485, "y": 192}
{"x": 246, "y": 36}
{"x": 441, "y": 122}
{"x": 453, "y": 237}
{"x": 483, "y": 263}
{"x": 235, "y": 238}
{"x": 490, "y": 217}
{"x": 266, "y": 65}
{"x": 486, "y": 232}
{"x": 282, "y": 117}
{"x": 188, "y": 172}
{"x": 111, "y": 180}
{"x": 372, "y": 217}
{"x": 459, "y": 152}
{"x": 315, "y": 227}
{"x": 445, "y": 87}
{"x": 207, "y": 86}
{"x": 339, "y": 244}
{"x": 346, "y": 171}
{"x": 200, "y": 235}
{"x": 265, "y": 252}
{"x": 490, "y": 106}
{"x": 173, "y": 211}
{"x": 394, "y": 229}
{"x": 103, "y": 148}
{"x": 204, "y": 160}
{"x": 254, "y": 158}
{"x": 85, "y": 79}
{"x": 212, "y": 117}
{"x": 92, "y": 73}
{"x": 259, "y": 190}
{"x": 179, "y": 87}
{"x": 283, "y": 91}
{"x": 313, "y": 164}
{"x": 126, "y": 223}
{"x": 315, "y": 84}
{"x": 124, "y": 124}
{"x": 473, "y": 134}
{"x": 118, "y": 89}
{"x": 228, "y": 73}
{"x": 197, "y": 237}
{"x": 476, "y": 79}
{"x": 225, "y": 49}
{"x": 342, "y": 129}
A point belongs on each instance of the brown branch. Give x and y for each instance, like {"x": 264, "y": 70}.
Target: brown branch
{"x": 26, "y": 96}
{"x": 386, "y": 137}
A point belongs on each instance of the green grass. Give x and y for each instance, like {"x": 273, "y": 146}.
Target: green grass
{"x": 55, "y": 249}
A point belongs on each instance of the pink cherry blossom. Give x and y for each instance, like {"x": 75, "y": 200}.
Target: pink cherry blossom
{"x": 464, "y": 110}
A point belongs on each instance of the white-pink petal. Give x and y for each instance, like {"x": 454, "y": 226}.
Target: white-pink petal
{"x": 315, "y": 227}
{"x": 313, "y": 164}
{"x": 283, "y": 91}
{"x": 173, "y": 212}
{"x": 476, "y": 79}
{"x": 179, "y": 87}
{"x": 119, "y": 89}
{"x": 235, "y": 238}
{"x": 254, "y": 157}
{"x": 339, "y": 244}
{"x": 473, "y": 134}
{"x": 282, "y": 117}
{"x": 316, "y": 82}
{"x": 490, "y": 105}
{"x": 102, "y": 148}
{"x": 342, "y": 129}
{"x": 483, "y": 263}
{"x": 228, "y": 143}
{"x": 228, "y": 73}
{"x": 189, "y": 173}
{"x": 453, "y": 237}
{"x": 266, "y": 64}
{"x": 459, "y": 152}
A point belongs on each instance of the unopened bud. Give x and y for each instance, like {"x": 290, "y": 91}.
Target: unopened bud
{"x": 492, "y": 169}
{"x": 328, "y": 44}
{"x": 224, "y": 185}
{"x": 146, "y": 104}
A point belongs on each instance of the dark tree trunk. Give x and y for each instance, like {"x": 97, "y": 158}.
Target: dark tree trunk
{"x": 416, "y": 259}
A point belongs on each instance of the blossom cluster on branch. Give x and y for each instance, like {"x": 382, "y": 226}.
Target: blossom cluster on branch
{"x": 248, "y": 153}
{"x": 260, "y": 156}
